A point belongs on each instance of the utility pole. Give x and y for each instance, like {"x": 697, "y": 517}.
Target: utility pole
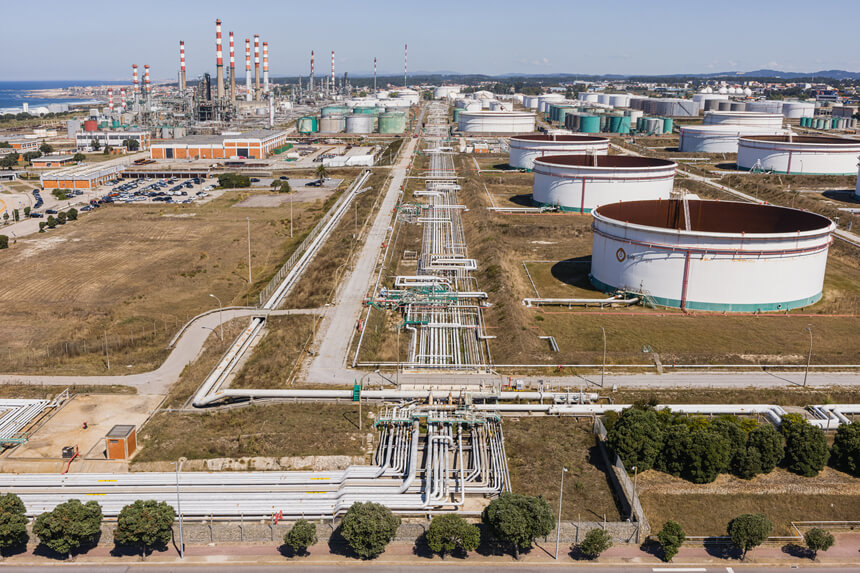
{"x": 179, "y": 509}
{"x": 291, "y": 215}
{"x": 603, "y": 370}
{"x": 249, "y": 250}
{"x": 808, "y": 358}
{"x": 220, "y": 315}
{"x": 560, "y": 498}
{"x": 633, "y": 505}
{"x": 107, "y": 352}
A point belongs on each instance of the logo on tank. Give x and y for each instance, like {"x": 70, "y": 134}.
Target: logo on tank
{"x": 620, "y": 255}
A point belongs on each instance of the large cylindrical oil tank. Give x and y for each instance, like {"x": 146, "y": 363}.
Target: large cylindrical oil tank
{"x": 395, "y": 122}
{"x": 619, "y": 100}
{"x": 766, "y": 106}
{"x": 588, "y": 97}
{"x": 717, "y": 138}
{"x": 798, "y": 109}
{"x": 359, "y": 123}
{"x": 91, "y": 125}
{"x": 799, "y": 154}
{"x": 745, "y": 118}
{"x": 307, "y": 124}
{"x": 501, "y": 106}
{"x": 496, "y": 122}
{"x": 524, "y": 149}
{"x": 332, "y": 124}
{"x": 366, "y": 110}
{"x": 530, "y": 101}
{"x": 589, "y": 124}
{"x": 729, "y": 257}
{"x": 579, "y": 183}
{"x": 333, "y": 110}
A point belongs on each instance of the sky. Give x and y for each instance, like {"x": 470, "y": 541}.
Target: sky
{"x": 100, "y": 39}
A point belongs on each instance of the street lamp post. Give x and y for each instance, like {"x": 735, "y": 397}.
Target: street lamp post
{"x": 107, "y": 350}
{"x": 220, "y": 315}
{"x": 249, "y": 250}
{"x": 179, "y": 509}
{"x": 560, "y": 497}
{"x": 809, "y": 356}
{"x": 603, "y": 370}
{"x": 633, "y": 505}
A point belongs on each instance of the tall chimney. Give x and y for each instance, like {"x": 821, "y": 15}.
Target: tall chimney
{"x": 266, "y": 67}
{"x": 374, "y": 75}
{"x": 248, "y": 93}
{"x": 405, "y": 48}
{"x": 219, "y": 56}
{"x": 257, "y": 66}
{"x": 332, "y": 86}
{"x": 182, "y": 67}
{"x": 110, "y": 99}
{"x": 122, "y": 104}
{"x": 147, "y": 87}
{"x": 135, "y": 82}
{"x": 311, "y": 85}
{"x": 232, "y": 69}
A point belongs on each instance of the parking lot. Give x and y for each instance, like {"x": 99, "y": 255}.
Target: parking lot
{"x": 175, "y": 190}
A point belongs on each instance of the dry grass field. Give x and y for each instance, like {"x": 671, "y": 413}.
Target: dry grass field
{"x": 537, "y": 449}
{"x": 276, "y": 357}
{"x": 133, "y": 274}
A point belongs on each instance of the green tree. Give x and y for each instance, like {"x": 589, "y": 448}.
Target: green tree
{"x": 845, "y": 453}
{"x": 729, "y": 427}
{"x": 637, "y": 438}
{"x": 450, "y": 532}
{"x": 818, "y": 540}
{"x": 673, "y": 456}
{"x": 26, "y": 211}
{"x": 78, "y": 157}
{"x": 31, "y": 155}
{"x": 41, "y": 226}
{"x": 46, "y": 148}
{"x": 5, "y": 145}
{"x": 763, "y": 453}
{"x": 596, "y": 542}
{"x": 322, "y": 172}
{"x": 671, "y": 538}
{"x": 69, "y": 526}
{"x": 301, "y": 535}
{"x": 9, "y": 160}
{"x": 749, "y": 530}
{"x": 518, "y": 519}
{"x": 145, "y": 524}
{"x": 131, "y": 144}
{"x": 368, "y": 527}
{"x": 106, "y": 150}
{"x": 5, "y": 217}
{"x": 284, "y": 187}
{"x": 233, "y": 181}
{"x": 72, "y": 214}
{"x": 707, "y": 456}
{"x": 94, "y": 143}
{"x": 61, "y": 218}
{"x": 13, "y": 521}
{"x": 51, "y": 222}
{"x": 16, "y": 215}
{"x": 806, "y": 449}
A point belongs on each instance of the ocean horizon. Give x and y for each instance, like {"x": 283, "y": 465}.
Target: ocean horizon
{"x": 14, "y": 94}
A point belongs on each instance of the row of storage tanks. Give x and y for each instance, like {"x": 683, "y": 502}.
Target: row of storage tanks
{"x": 342, "y": 119}
{"x": 690, "y": 254}
{"x": 586, "y": 119}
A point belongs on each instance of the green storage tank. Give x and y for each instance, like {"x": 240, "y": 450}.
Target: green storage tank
{"x": 625, "y": 124}
{"x": 307, "y": 124}
{"x": 392, "y": 122}
{"x": 589, "y": 124}
{"x": 457, "y": 111}
{"x": 368, "y": 110}
{"x": 667, "y": 125}
{"x": 334, "y": 110}
{"x": 614, "y": 124}
{"x": 834, "y": 123}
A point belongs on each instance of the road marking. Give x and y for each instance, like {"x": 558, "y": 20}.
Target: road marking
{"x": 682, "y": 569}
{"x": 729, "y": 570}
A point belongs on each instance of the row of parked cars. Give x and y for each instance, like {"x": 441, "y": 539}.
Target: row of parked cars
{"x": 139, "y": 190}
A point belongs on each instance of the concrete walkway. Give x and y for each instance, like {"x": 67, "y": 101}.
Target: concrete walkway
{"x": 186, "y": 349}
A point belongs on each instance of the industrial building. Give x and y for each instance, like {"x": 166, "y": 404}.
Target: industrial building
{"x": 52, "y": 161}
{"x": 256, "y": 144}
{"x": 794, "y": 154}
{"x": 711, "y": 255}
{"x": 496, "y": 122}
{"x": 524, "y": 149}
{"x": 84, "y": 139}
{"x": 580, "y": 183}
{"x": 83, "y": 176}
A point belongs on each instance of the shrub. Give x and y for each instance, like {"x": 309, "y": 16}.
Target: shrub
{"x": 707, "y": 456}
{"x": 806, "y": 449}
{"x": 69, "y": 526}
{"x": 596, "y": 542}
{"x": 637, "y": 438}
{"x": 4, "y": 242}
{"x": 13, "y": 522}
{"x": 671, "y": 538}
{"x": 302, "y": 535}
{"x": 518, "y": 519}
{"x": 145, "y": 524}
{"x": 450, "y": 532}
{"x": 233, "y": 181}
{"x": 72, "y": 214}
{"x": 368, "y": 527}
{"x": 749, "y": 530}
{"x": 845, "y": 454}
{"x": 818, "y": 540}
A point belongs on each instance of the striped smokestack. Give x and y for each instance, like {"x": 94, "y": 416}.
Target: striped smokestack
{"x": 331, "y": 87}
{"x": 122, "y": 104}
{"x": 135, "y": 83}
{"x": 182, "y": 67}
{"x": 374, "y": 75}
{"x": 147, "y": 87}
{"x": 405, "y": 51}
{"x": 247, "y": 69}
{"x": 219, "y": 57}
{"x": 110, "y": 99}
{"x": 265, "y": 67}
{"x": 257, "y": 65}
{"x": 312, "y": 72}
{"x": 232, "y": 69}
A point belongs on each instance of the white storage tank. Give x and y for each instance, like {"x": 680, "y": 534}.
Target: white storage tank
{"x": 765, "y": 106}
{"x": 359, "y": 123}
{"x": 530, "y": 101}
{"x": 501, "y": 106}
{"x": 745, "y": 118}
{"x": 579, "y": 183}
{"x": 443, "y": 92}
{"x": 524, "y": 149}
{"x": 799, "y": 154}
{"x": 619, "y": 100}
{"x": 588, "y": 97}
{"x": 857, "y": 187}
{"x": 729, "y": 257}
{"x": 546, "y": 99}
{"x": 717, "y": 138}
{"x": 496, "y": 121}
{"x": 798, "y": 109}
{"x": 332, "y": 124}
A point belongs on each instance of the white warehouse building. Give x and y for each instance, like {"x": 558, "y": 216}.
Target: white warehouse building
{"x": 729, "y": 256}
{"x": 580, "y": 183}
{"x": 524, "y": 149}
{"x": 496, "y": 122}
{"x": 799, "y": 154}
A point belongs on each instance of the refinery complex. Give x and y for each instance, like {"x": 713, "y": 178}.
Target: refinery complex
{"x": 350, "y": 314}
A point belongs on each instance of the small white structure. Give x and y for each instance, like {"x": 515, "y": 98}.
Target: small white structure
{"x": 799, "y": 154}
{"x": 718, "y": 138}
{"x": 580, "y": 183}
{"x": 524, "y": 149}
{"x": 496, "y": 122}
{"x": 711, "y": 255}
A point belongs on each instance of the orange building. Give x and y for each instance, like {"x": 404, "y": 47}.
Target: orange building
{"x": 256, "y": 144}
{"x": 52, "y": 161}
{"x": 83, "y": 176}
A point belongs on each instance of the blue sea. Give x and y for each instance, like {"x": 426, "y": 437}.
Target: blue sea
{"x": 14, "y": 94}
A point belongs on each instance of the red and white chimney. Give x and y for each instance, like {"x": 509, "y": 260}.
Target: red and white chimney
{"x": 147, "y": 87}
{"x": 405, "y": 60}
{"x": 374, "y": 75}
{"x": 110, "y": 99}
{"x": 257, "y": 65}
{"x": 219, "y": 58}
{"x": 122, "y": 104}
{"x": 331, "y": 87}
{"x": 135, "y": 82}
{"x": 181, "y": 67}
{"x": 265, "y": 67}
{"x": 312, "y": 72}
{"x": 232, "y": 69}
{"x": 248, "y": 70}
